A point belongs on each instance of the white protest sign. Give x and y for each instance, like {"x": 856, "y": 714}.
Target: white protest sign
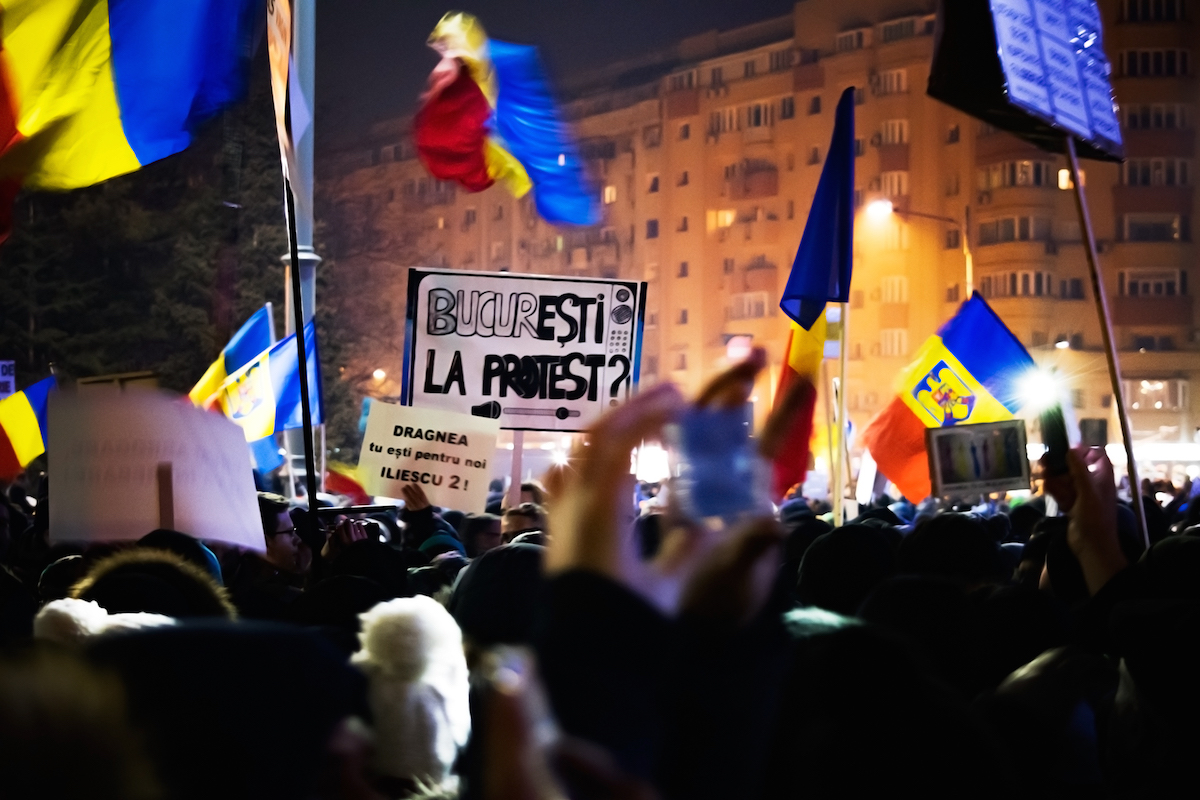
{"x": 8, "y": 378}
{"x": 105, "y": 452}
{"x": 535, "y": 352}
{"x": 444, "y": 452}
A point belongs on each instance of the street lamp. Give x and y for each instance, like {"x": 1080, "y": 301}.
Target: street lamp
{"x": 881, "y": 209}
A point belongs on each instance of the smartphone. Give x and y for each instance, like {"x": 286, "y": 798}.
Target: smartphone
{"x": 720, "y": 472}
{"x": 1054, "y": 436}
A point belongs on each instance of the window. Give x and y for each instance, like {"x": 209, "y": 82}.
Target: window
{"x": 685, "y": 131}
{"x": 787, "y": 108}
{"x": 653, "y": 184}
{"x": 860, "y": 96}
{"x": 652, "y": 272}
{"x": 727, "y": 266}
{"x": 895, "y": 235}
{"x": 683, "y": 178}
{"x": 500, "y": 211}
{"x": 1017, "y": 284}
{"x": 1156, "y": 172}
{"x": 651, "y": 367}
{"x": 953, "y": 293}
{"x": 1016, "y": 173}
{"x": 860, "y": 148}
{"x": 722, "y": 121}
{"x": 610, "y": 195}
{"x": 953, "y": 239}
{"x": 1071, "y": 289}
{"x": 683, "y": 225}
{"x": 1152, "y": 283}
{"x": 895, "y": 131}
{"x": 1014, "y": 229}
{"x": 468, "y": 217}
{"x": 952, "y": 135}
{"x": 952, "y": 185}
{"x": 686, "y": 80}
{"x": 791, "y": 209}
{"x": 1155, "y": 63}
{"x": 1065, "y": 182}
{"x": 758, "y": 115}
{"x": 852, "y": 40}
{"x": 1154, "y": 228}
{"x": 1151, "y": 10}
{"x": 652, "y": 136}
{"x": 651, "y": 229}
{"x": 683, "y": 270}
{"x": 748, "y": 69}
{"x": 814, "y": 105}
{"x": 892, "y": 81}
{"x": 1146, "y": 117}
{"x": 681, "y": 361}
{"x": 781, "y": 60}
{"x": 894, "y": 183}
{"x": 814, "y": 156}
{"x": 748, "y": 305}
{"x": 893, "y": 342}
{"x": 498, "y": 250}
{"x": 895, "y": 289}
{"x": 717, "y": 77}
{"x": 900, "y": 29}
{"x": 683, "y": 317}
{"x": 1156, "y": 395}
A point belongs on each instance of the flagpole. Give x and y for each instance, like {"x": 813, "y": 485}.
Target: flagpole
{"x": 310, "y": 467}
{"x": 843, "y": 444}
{"x": 1106, "y": 332}
{"x": 827, "y": 384}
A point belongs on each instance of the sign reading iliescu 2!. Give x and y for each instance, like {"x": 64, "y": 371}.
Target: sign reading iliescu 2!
{"x": 535, "y": 352}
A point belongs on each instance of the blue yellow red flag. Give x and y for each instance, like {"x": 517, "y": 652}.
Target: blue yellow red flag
{"x": 822, "y": 270}
{"x": 23, "y": 428}
{"x": 92, "y": 89}
{"x": 253, "y": 339}
{"x": 969, "y": 372}
{"x": 263, "y": 397}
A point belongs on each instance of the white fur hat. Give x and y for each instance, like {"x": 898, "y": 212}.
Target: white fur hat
{"x": 412, "y": 654}
{"x": 71, "y": 621}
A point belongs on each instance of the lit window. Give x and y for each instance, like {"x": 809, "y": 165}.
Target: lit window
{"x": 610, "y": 194}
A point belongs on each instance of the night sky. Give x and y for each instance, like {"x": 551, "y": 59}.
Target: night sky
{"x": 372, "y": 60}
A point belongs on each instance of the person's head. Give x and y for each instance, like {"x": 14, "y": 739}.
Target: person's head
{"x": 480, "y": 533}
{"x": 185, "y": 547}
{"x": 531, "y": 492}
{"x": 954, "y": 546}
{"x": 840, "y": 568}
{"x": 284, "y": 548}
{"x": 155, "y": 581}
{"x": 523, "y": 519}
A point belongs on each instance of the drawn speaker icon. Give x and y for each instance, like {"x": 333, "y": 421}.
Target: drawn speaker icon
{"x": 491, "y": 410}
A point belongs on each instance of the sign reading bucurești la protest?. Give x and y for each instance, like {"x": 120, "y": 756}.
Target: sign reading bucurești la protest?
{"x": 535, "y": 352}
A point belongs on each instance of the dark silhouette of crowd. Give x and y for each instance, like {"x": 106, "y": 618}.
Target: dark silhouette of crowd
{"x": 578, "y": 643}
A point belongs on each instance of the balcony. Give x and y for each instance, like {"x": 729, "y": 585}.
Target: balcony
{"x": 1156, "y": 310}
{"x": 1152, "y": 199}
{"x": 755, "y": 185}
{"x": 763, "y": 133}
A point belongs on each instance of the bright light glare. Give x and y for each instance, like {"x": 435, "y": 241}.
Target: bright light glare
{"x": 559, "y": 458}
{"x": 1039, "y": 390}
{"x": 1062, "y": 344}
{"x": 651, "y": 464}
{"x": 879, "y": 210}
{"x": 379, "y": 374}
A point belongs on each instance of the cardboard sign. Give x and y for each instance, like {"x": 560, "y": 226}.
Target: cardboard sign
{"x": 444, "y": 452}
{"x": 1035, "y": 68}
{"x": 535, "y": 352}
{"x": 8, "y": 378}
{"x": 107, "y": 453}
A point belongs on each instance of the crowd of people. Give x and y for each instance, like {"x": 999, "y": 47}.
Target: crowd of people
{"x": 575, "y": 643}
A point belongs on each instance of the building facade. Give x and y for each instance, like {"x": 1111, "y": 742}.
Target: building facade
{"x": 705, "y": 158}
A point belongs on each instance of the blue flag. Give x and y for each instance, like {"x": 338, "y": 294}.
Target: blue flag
{"x": 821, "y": 271}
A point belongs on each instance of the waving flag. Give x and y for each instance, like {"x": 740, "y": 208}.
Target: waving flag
{"x": 969, "y": 372}
{"x": 489, "y": 116}
{"x": 252, "y": 340}
{"x": 23, "y": 427}
{"x": 820, "y": 274}
{"x": 92, "y": 89}
{"x": 263, "y": 397}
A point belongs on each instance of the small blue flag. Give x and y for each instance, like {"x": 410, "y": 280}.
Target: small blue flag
{"x": 821, "y": 271}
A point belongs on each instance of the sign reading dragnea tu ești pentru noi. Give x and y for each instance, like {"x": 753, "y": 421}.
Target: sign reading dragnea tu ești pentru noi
{"x": 535, "y": 352}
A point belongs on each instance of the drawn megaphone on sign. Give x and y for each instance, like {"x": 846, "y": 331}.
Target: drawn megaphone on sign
{"x": 491, "y": 410}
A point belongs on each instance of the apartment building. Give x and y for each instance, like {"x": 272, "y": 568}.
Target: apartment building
{"x": 705, "y": 157}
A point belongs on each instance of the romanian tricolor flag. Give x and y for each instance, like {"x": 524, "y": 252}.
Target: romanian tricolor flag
{"x": 23, "y": 428}
{"x": 488, "y": 116}
{"x": 92, "y": 89}
{"x": 820, "y": 274}
{"x": 344, "y": 479}
{"x": 253, "y": 339}
{"x": 263, "y": 397}
{"x": 969, "y": 372}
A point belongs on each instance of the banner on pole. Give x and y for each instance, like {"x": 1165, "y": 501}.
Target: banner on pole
{"x": 444, "y": 452}
{"x": 535, "y": 352}
{"x": 105, "y": 451}
{"x": 1034, "y": 68}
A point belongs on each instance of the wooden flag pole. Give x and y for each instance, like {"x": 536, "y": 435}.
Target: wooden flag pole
{"x": 1106, "y": 331}
{"x": 310, "y": 466}
{"x": 843, "y": 445}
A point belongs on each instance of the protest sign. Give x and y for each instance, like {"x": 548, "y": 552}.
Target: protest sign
{"x": 109, "y": 451}
{"x": 444, "y": 452}
{"x": 535, "y": 352}
{"x": 1035, "y": 68}
{"x": 8, "y": 378}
